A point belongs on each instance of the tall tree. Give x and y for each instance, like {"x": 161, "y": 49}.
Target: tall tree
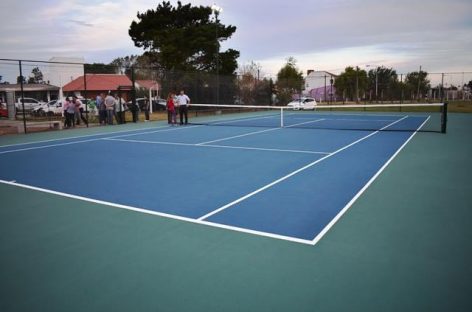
{"x": 251, "y": 88}
{"x": 20, "y": 79}
{"x": 185, "y": 38}
{"x": 352, "y": 83}
{"x": 100, "y": 68}
{"x": 417, "y": 82}
{"x": 383, "y": 84}
{"x": 36, "y": 76}
{"x": 289, "y": 81}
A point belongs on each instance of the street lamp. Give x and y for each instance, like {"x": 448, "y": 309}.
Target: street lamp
{"x": 376, "y": 82}
{"x": 217, "y": 10}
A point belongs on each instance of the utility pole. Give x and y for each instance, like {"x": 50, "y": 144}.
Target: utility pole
{"x": 376, "y": 85}
{"x": 418, "y": 90}
{"x": 357, "y": 84}
{"x": 325, "y": 98}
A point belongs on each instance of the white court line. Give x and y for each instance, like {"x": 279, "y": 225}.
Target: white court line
{"x": 155, "y": 131}
{"x": 256, "y": 132}
{"x": 237, "y": 136}
{"x": 163, "y": 129}
{"x": 47, "y": 146}
{"x": 161, "y": 214}
{"x": 216, "y": 146}
{"x": 79, "y": 137}
{"x": 323, "y": 113}
{"x": 244, "y": 119}
{"x": 293, "y": 173}
{"x": 351, "y": 202}
{"x": 351, "y": 119}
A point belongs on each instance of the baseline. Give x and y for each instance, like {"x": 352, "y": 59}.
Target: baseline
{"x": 160, "y": 214}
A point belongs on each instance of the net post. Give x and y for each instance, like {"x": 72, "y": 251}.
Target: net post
{"x": 444, "y": 117}
{"x": 281, "y": 117}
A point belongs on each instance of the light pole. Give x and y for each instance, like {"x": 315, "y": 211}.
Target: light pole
{"x": 217, "y": 10}
{"x": 376, "y": 82}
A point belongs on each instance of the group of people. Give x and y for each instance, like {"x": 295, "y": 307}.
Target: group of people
{"x": 73, "y": 112}
{"x": 180, "y": 102}
{"x": 113, "y": 106}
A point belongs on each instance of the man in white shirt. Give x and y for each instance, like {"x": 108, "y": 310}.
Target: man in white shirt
{"x": 110, "y": 108}
{"x": 183, "y": 101}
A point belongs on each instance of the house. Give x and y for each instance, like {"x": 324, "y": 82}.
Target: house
{"x": 320, "y": 85}
{"x": 39, "y": 91}
{"x": 63, "y": 70}
{"x": 94, "y": 84}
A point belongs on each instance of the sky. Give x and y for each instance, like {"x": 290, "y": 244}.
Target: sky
{"x": 320, "y": 34}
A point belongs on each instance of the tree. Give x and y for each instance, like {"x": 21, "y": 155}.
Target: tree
{"x": 100, "y": 68}
{"x": 36, "y": 76}
{"x": 184, "y": 38}
{"x": 251, "y": 88}
{"x": 20, "y": 79}
{"x": 383, "y": 84}
{"x": 351, "y": 84}
{"x": 417, "y": 81}
{"x": 289, "y": 81}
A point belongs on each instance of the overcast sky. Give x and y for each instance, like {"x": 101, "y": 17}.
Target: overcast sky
{"x": 320, "y": 34}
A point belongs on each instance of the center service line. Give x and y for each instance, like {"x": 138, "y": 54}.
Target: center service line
{"x": 293, "y": 173}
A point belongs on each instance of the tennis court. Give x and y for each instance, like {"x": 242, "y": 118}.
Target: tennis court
{"x": 242, "y": 178}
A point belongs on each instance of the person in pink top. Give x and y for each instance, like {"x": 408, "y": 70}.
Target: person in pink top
{"x": 170, "y": 105}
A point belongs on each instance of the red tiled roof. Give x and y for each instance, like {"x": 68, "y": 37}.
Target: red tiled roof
{"x": 98, "y": 82}
{"x": 147, "y": 84}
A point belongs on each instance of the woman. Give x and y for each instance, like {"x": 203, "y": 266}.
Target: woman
{"x": 170, "y": 109}
{"x": 70, "y": 110}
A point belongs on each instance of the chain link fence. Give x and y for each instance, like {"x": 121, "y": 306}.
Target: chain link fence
{"x": 33, "y": 93}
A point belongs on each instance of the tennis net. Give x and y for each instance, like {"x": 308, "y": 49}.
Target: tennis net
{"x": 378, "y": 117}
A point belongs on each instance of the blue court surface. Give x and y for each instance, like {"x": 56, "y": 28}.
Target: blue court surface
{"x": 287, "y": 183}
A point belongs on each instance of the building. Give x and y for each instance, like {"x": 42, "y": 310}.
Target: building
{"x": 149, "y": 87}
{"x": 94, "y": 84}
{"x": 116, "y": 84}
{"x": 320, "y": 85}
{"x": 63, "y": 70}
{"x": 38, "y": 91}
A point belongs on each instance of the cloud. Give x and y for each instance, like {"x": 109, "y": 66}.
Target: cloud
{"x": 82, "y": 23}
{"x": 322, "y": 34}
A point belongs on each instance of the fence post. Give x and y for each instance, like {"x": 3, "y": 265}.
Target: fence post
{"x": 85, "y": 96}
{"x": 444, "y": 118}
{"x": 22, "y": 96}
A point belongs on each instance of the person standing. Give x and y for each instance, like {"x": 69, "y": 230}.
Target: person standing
{"x": 119, "y": 110}
{"x": 79, "y": 110}
{"x": 110, "y": 108}
{"x": 144, "y": 107}
{"x": 65, "y": 106}
{"x": 102, "y": 112}
{"x": 183, "y": 101}
{"x": 170, "y": 106}
{"x": 70, "y": 119}
{"x": 134, "y": 109}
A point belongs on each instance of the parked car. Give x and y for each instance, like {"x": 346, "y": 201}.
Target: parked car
{"x": 30, "y": 103}
{"x": 161, "y": 104}
{"x": 54, "y": 107}
{"x": 3, "y": 109}
{"x": 305, "y": 103}
{"x": 50, "y": 108}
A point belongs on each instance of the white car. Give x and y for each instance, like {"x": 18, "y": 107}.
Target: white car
{"x": 305, "y": 103}
{"x": 30, "y": 103}
{"x": 54, "y": 107}
{"x": 50, "y": 108}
